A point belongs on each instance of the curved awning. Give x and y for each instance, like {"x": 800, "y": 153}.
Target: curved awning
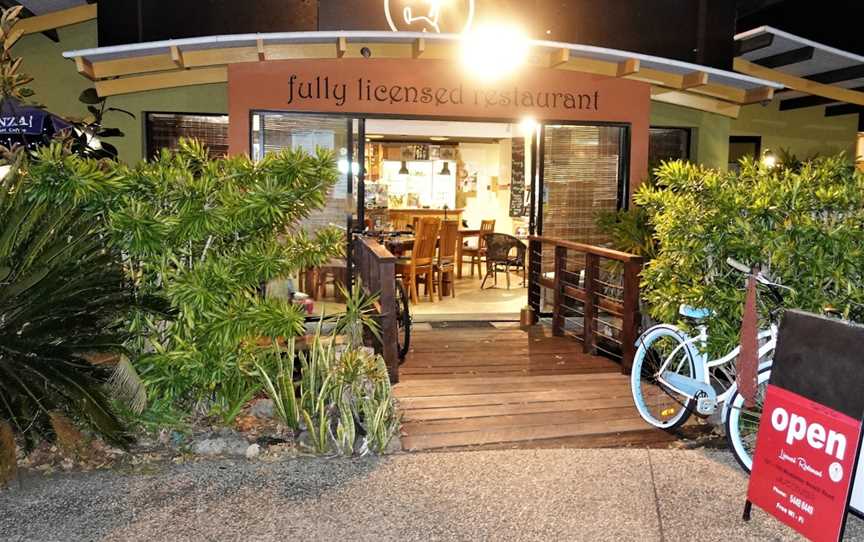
{"x": 139, "y": 67}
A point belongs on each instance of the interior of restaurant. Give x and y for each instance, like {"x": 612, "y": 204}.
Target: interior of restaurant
{"x": 421, "y": 178}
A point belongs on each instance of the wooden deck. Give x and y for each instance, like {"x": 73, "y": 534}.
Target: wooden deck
{"x": 503, "y": 388}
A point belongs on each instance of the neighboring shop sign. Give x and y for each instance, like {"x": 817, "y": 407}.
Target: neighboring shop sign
{"x": 29, "y": 123}
{"x": 808, "y": 441}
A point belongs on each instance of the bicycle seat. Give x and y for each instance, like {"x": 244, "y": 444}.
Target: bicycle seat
{"x": 693, "y": 312}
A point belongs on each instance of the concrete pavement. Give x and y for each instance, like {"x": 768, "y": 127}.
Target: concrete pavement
{"x": 565, "y": 494}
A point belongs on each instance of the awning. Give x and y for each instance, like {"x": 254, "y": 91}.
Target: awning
{"x": 193, "y": 61}
{"x": 815, "y": 73}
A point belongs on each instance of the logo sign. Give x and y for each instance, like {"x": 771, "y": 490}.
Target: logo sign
{"x": 810, "y": 432}
{"x": 803, "y": 468}
{"x": 439, "y": 16}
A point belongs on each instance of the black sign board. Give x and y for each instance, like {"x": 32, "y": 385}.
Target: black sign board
{"x": 809, "y": 435}
{"x": 517, "y": 178}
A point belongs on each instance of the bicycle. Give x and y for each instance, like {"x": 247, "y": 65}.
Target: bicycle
{"x": 672, "y": 375}
{"x": 403, "y": 321}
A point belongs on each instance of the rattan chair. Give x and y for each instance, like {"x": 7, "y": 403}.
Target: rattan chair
{"x": 500, "y": 256}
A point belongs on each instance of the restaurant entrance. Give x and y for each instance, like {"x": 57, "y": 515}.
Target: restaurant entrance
{"x": 455, "y": 201}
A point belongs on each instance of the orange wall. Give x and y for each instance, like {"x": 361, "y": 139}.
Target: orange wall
{"x": 435, "y": 88}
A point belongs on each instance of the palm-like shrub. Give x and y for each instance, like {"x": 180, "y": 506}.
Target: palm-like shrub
{"x": 805, "y": 225}
{"x": 62, "y": 297}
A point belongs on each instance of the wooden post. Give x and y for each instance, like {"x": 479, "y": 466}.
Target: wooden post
{"x": 535, "y": 259}
{"x": 558, "y": 312}
{"x": 389, "y": 326}
{"x": 631, "y": 316}
{"x": 592, "y": 268}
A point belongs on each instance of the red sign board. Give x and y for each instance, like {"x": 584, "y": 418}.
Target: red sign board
{"x": 804, "y": 463}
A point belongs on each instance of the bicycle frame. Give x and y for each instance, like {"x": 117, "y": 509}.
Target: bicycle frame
{"x": 696, "y": 346}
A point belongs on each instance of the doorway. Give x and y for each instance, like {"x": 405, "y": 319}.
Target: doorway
{"x": 513, "y": 179}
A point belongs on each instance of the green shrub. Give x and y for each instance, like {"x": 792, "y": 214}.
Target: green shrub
{"x": 805, "y": 226}
{"x": 205, "y": 234}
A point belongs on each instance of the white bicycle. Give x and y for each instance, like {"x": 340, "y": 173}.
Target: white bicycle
{"x": 672, "y": 376}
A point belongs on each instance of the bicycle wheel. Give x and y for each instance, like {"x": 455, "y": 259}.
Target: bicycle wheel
{"x": 403, "y": 321}
{"x": 658, "y": 404}
{"x": 742, "y": 423}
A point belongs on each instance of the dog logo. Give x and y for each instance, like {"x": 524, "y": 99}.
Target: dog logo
{"x": 439, "y": 16}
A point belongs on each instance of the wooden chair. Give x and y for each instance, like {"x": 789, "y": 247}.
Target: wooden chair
{"x": 445, "y": 267}
{"x": 332, "y": 273}
{"x": 422, "y": 260}
{"x": 477, "y": 254}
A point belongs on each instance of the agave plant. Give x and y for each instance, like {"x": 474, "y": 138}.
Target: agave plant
{"x": 62, "y": 296}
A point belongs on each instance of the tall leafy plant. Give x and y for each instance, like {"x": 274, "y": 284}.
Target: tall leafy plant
{"x": 804, "y": 225}
{"x": 207, "y": 234}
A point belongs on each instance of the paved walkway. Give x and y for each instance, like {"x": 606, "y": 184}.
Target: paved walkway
{"x": 568, "y": 494}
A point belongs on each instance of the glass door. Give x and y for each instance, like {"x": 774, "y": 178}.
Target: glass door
{"x": 275, "y": 131}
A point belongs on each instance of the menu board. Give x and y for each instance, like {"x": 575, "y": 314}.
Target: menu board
{"x": 517, "y": 178}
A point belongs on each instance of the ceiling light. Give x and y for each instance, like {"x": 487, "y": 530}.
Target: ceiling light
{"x": 445, "y": 169}
{"x": 404, "y": 169}
{"x": 439, "y": 138}
{"x": 374, "y": 136}
{"x": 494, "y": 51}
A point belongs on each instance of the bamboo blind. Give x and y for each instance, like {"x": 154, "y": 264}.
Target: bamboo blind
{"x": 284, "y": 130}
{"x": 164, "y": 131}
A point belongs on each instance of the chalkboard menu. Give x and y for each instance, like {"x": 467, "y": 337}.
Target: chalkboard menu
{"x": 517, "y": 179}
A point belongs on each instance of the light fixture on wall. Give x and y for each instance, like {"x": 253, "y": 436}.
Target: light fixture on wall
{"x": 404, "y": 169}
{"x": 768, "y": 159}
{"x": 445, "y": 169}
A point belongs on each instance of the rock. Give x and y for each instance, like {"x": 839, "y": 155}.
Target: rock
{"x": 230, "y": 445}
{"x": 262, "y": 408}
{"x": 8, "y": 459}
{"x": 253, "y": 451}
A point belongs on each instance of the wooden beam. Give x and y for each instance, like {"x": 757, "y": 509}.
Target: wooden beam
{"x": 341, "y": 46}
{"x": 759, "y": 95}
{"x": 84, "y": 67}
{"x": 799, "y": 83}
{"x": 792, "y": 56}
{"x": 694, "y": 79}
{"x": 418, "y": 47}
{"x": 57, "y": 19}
{"x": 695, "y": 101}
{"x": 262, "y": 53}
{"x": 628, "y": 67}
{"x": 155, "y": 81}
{"x": 177, "y": 56}
{"x": 742, "y": 47}
{"x": 25, "y": 13}
{"x": 558, "y": 57}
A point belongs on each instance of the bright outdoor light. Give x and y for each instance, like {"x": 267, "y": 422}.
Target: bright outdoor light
{"x": 528, "y": 126}
{"x": 769, "y": 160}
{"x": 492, "y": 52}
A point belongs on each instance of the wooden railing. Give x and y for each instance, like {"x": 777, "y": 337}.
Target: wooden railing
{"x": 595, "y": 294}
{"x": 376, "y": 268}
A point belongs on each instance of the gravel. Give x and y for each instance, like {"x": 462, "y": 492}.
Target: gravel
{"x": 512, "y": 495}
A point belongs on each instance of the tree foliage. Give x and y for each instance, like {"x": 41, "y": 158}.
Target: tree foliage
{"x": 803, "y": 225}
{"x": 206, "y": 234}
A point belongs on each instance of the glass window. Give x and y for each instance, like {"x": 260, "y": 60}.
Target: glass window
{"x": 164, "y": 130}
{"x": 668, "y": 144}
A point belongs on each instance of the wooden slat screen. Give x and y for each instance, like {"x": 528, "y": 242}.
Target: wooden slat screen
{"x": 164, "y": 130}
{"x": 581, "y": 177}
